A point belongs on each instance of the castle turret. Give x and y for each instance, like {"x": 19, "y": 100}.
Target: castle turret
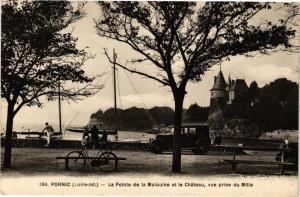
{"x": 218, "y": 93}
{"x": 229, "y": 81}
{"x": 218, "y": 90}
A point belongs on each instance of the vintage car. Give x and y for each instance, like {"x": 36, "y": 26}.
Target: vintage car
{"x": 194, "y": 137}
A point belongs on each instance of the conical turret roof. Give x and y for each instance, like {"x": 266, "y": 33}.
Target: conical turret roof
{"x": 220, "y": 83}
{"x": 239, "y": 85}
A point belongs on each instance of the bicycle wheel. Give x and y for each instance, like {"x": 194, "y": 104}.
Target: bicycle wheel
{"x": 107, "y": 162}
{"x": 75, "y": 160}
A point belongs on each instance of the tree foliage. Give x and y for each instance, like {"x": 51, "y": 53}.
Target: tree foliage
{"x": 182, "y": 40}
{"x": 253, "y": 91}
{"x": 98, "y": 115}
{"x": 136, "y": 118}
{"x": 201, "y": 36}
{"x": 38, "y": 55}
{"x": 162, "y": 115}
{"x": 292, "y": 16}
{"x": 274, "y": 106}
{"x": 196, "y": 113}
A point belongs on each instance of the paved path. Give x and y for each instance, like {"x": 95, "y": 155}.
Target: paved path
{"x": 32, "y": 161}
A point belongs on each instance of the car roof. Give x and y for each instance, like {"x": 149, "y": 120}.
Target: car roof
{"x": 194, "y": 125}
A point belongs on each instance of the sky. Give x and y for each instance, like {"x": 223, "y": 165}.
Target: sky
{"x": 261, "y": 68}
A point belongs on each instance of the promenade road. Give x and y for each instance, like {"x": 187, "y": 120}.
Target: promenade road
{"x": 41, "y": 161}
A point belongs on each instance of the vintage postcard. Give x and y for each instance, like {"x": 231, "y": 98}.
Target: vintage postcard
{"x": 161, "y": 98}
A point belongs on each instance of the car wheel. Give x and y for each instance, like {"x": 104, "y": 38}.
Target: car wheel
{"x": 156, "y": 147}
{"x": 200, "y": 149}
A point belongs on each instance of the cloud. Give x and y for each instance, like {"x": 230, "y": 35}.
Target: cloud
{"x": 263, "y": 74}
{"x": 260, "y": 68}
{"x": 268, "y": 72}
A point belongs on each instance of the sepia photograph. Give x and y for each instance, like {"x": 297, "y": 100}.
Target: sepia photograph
{"x": 168, "y": 98}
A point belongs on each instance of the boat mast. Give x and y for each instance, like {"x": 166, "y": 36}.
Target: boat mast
{"x": 59, "y": 107}
{"x": 115, "y": 93}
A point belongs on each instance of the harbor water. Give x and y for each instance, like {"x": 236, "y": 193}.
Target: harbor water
{"x": 67, "y": 135}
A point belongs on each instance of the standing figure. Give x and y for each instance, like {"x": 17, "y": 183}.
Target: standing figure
{"x": 95, "y": 136}
{"x": 85, "y": 137}
{"x": 50, "y": 133}
{"x": 103, "y": 137}
{"x": 103, "y": 140}
{"x": 218, "y": 139}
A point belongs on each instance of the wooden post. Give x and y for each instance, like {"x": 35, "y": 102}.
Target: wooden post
{"x": 59, "y": 107}
{"x": 234, "y": 154}
{"x": 115, "y": 93}
{"x": 282, "y": 154}
{"x": 282, "y": 160}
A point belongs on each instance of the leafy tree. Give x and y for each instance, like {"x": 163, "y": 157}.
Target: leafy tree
{"x": 135, "y": 118}
{"x": 239, "y": 107}
{"x": 277, "y": 106}
{"x": 291, "y": 109}
{"x": 109, "y": 118}
{"x": 292, "y": 16}
{"x": 37, "y": 58}
{"x": 216, "y": 120}
{"x": 182, "y": 40}
{"x": 253, "y": 91}
{"x": 185, "y": 117}
{"x": 98, "y": 115}
{"x": 197, "y": 113}
{"x": 162, "y": 115}
{"x": 278, "y": 89}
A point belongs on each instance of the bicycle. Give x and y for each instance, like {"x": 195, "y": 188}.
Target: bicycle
{"x": 105, "y": 159}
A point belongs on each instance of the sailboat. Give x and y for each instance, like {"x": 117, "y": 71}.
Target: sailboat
{"x": 38, "y": 134}
{"x": 114, "y": 131}
{"x": 101, "y": 130}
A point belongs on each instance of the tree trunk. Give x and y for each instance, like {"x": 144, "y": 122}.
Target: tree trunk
{"x": 8, "y": 137}
{"x": 176, "y": 162}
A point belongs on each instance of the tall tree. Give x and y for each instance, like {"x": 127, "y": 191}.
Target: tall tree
{"x": 277, "y": 106}
{"x": 162, "y": 115}
{"x": 37, "y": 58}
{"x": 197, "y": 113}
{"x": 98, "y": 115}
{"x": 253, "y": 91}
{"x": 291, "y": 17}
{"x": 182, "y": 40}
